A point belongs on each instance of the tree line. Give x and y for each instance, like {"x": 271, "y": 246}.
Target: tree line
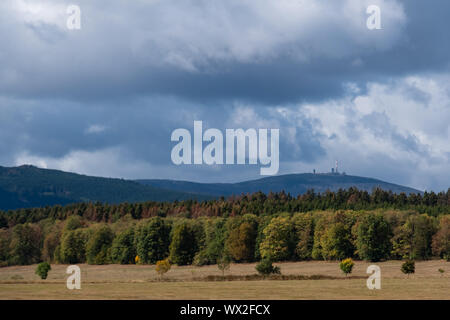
{"x": 316, "y": 235}
{"x": 257, "y": 203}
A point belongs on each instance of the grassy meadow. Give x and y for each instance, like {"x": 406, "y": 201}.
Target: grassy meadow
{"x": 190, "y": 282}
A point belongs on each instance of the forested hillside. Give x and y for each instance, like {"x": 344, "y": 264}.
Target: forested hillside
{"x": 29, "y": 186}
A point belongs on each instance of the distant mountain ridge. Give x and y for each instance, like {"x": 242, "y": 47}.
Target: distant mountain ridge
{"x": 295, "y": 184}
{"x": 28, "y": 186}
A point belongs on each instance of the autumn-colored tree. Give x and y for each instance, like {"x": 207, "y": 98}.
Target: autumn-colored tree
{"x": 304, "y": 235}
{"x": 441, "y": 240}
{"x": 346, "y": 266}
{"x": 162, "y": 267}
{"x": 240, "y": 243}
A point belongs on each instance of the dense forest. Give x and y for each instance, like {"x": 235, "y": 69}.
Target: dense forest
{"x": 327, "y": 226}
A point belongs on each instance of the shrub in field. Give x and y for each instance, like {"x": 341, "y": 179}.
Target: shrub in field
{"x": 42, "y": 269}
{"x": 346, "y": 266}
{"x": 408, "y": 267}
{"x": 162, "y": 267}
{"x": 441, "y": 271}
{"x": 223, "y": 264}
{"x": 265, "y": 267}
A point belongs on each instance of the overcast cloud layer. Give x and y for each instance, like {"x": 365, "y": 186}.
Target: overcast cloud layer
{"x": 104, "y": 100}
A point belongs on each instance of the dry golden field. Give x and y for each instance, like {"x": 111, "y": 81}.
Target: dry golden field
{"x": 142, "y": 282}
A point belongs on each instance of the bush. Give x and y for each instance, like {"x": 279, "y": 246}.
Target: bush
{"x": 162, "y": 267}
{"x": 408, "y": 267}
{"x": 346, "y": 266}
{"x": 265, "y": 267}
{"x": 42, "y": 270}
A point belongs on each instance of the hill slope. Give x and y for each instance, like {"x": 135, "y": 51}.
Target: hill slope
{"x": 293, "y": 183}
{"x": 29, "y": 186}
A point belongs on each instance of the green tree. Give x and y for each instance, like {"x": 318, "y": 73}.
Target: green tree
{"x": 183, "y": 245}
{"x": 413, "y": 240}
{"x": 333, "y": 237}
{"x": 73, "y": 246}
{"x": 337, "y": 242}
{"x": 123, "y": 250}
{"x": 72, "y": 223}
{"x": 278, "y": 243}
{"x": 152, "y": 240}
{"x": 97, "y": 248}
{"x": 373, "y": 238}
{"x": 25, "y": 244}
{"x": 4, "y": 247}
{"x": 42, "y": 270}
{"x": 214, "y": 244}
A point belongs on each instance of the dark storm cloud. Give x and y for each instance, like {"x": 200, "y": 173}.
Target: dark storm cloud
{"x": 115, "y": 90}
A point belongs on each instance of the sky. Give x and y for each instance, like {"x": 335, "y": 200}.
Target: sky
{"x": 104, "y": 99}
